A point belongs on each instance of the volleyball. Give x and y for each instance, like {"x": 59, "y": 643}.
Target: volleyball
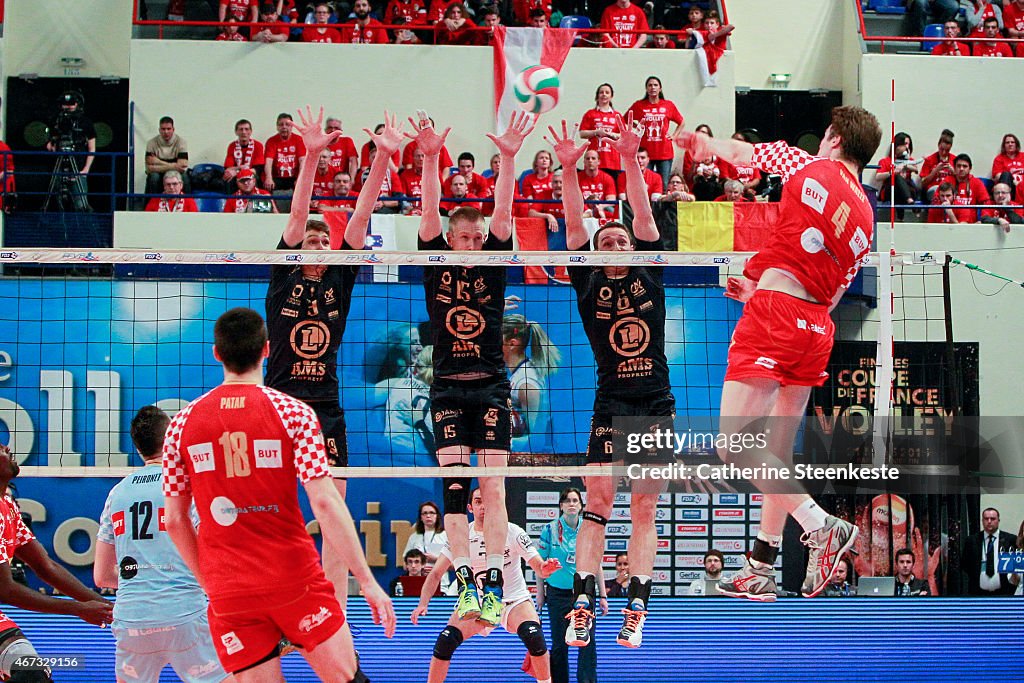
{"x": 537, "y": 89}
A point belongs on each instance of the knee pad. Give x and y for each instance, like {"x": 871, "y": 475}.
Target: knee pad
{"x": 456, "y": 493}
{"x": 448, "y": 640}
{"x": 594, "y": 517}
{"x": 360, "y": 677}
{"x": 533, "y": 638}
{"x": 16, "y": 650}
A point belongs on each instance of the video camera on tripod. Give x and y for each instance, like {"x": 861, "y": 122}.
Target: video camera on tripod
{"x": 69, "y": 134}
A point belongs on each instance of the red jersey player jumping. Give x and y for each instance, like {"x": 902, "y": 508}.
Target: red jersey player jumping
{"x": 238, "y": 450}
{"x": 783, "y": 340}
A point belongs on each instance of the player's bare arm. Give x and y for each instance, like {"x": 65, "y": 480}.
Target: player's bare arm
{"x": 316, "y": 140}
{"x": 700, "y": 146}
{"x": 338, "y": 529}
{"x": 569, "y": 153}
{"x": 182, "y": 532}
{"x": 430, "y": 585}
{"x": 644, "y": 227}
{"x": 387, "y": 142}
{"x": 104, "y": 567}
{"x": 431, "y": 144}
{"x": 508, "y": 144}
{"x": 87, "y": 605}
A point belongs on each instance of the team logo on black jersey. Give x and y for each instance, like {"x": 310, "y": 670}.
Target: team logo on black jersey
{"x": 465, "y": 323}
{"x": 310, "y": 339}
{"x": 629, "y": 337}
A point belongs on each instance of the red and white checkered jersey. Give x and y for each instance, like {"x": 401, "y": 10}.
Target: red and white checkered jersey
{"x": 13, "y": 532}
{"x": 826, "y": 222}
{"x": 238, "y": 450}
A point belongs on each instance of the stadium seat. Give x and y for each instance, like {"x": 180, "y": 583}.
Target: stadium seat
{"x": 576, "y": 21}
{"x": 889, "y": 6}
{"x": 209, "y": 202}
{"x": 988, "y": 183}
{"x": 932, "y": 31}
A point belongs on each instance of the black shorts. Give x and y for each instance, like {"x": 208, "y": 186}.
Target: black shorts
{"x": 473, "y": 413}
{"x": 642, "y": 413}
{"x": 332, "y": 424}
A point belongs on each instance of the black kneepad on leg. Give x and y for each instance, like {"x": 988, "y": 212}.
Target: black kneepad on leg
{"x": 589, "y": 516}
{"x": 533, "y": 638}
{"x": 448, "y": 640}
{"x": 456, "y": 493}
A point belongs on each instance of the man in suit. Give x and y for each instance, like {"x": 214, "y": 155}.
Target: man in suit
{"x": 981, "y": 557}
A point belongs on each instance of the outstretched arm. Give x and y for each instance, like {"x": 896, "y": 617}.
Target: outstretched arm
{"x": 387, "y": 142}
{"x": 508, "y": 145}
{"x": 700, "y": 146}
{"x": 430, "y": 143}
{"x": 313, "y": 136}
{"x": 644, "y": 227}
{"x": 430, "y": 585}
{"x": 572, "y": 196}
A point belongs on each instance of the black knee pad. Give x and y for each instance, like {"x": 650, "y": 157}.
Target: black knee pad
{"x": 456, "y": 493}
{"x": 360, "y": 677}
{"x": 30, "y": 676}
{"x": 448, "y": 640}
{"x": 589, "y": 516}
{"x": 533, "y": 638}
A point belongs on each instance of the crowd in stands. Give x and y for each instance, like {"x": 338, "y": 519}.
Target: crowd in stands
{"x": 945, "y": 180}
{"x": 453, "y": 22}
{"x": 975, "y": 19}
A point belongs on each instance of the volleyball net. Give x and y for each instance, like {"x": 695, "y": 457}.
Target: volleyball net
{"x": 89, "y": 337}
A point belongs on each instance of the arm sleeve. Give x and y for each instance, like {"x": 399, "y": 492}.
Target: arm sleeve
{"x": 446, "y": 551}
{"x": 523, "y": 545}
{"x": 307, "y": 439}
{"x": 105, "y": 533}
{"x": 22, "y": 534}
{"x": 780, "y": 158}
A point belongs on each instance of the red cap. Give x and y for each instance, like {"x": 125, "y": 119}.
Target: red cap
{"x": 246, "y": 173}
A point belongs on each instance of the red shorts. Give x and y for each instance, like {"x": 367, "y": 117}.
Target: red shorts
{"x": 782, "y": 338}
{"x": 244, "y": 638}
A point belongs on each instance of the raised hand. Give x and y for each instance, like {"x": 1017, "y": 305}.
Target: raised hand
{"x": 694, "y": 143}
{"x": 565, "y": 149}
{"x": 427, "y": 140}
{"x": 519, "y": 128}
{"x": 312, "y": 132}
{"x": 390, "y": 139}
{"x": 381, "y": 609}
{"x": 628, "y": 141}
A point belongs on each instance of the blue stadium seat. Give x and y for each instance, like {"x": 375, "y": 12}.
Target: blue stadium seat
{"x": 889, "y": 6}
{"x": 932, "y": 31}
{"x": 988, "y": 183}
{"x": 574, "y": 21}
{"x": 209, "y": 202}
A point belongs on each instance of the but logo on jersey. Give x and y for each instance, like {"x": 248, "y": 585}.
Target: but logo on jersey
{"x": 118, "y": 521}
{"x": 814, "y": 195}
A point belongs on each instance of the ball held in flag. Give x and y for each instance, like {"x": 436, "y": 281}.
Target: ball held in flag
{"x": 537, "y": 89}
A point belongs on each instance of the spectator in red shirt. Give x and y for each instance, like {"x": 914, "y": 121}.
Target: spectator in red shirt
{"x": 459, "y": 191}
{"x": 445, "y": 161}
{"x": 623, "y": 16}
{"x": 1004, "y": 218}
{"x": 978, "y": 12}
{"x": 653, "y": 180}
{"x": 456, "y": 28}
{"x": 391, "y": 186}
{"x": 365, "y": 29}
{"x": 661, "y": 41}
{"x": 413, "y": 11}
{"x": 271, "y": 34}
{"x": 991, "y": 47}
{"x": 230, "y": 32}
{"x": 478, "y": 185}
{"x": 523, "y": 10}
{"x": 412, "y": 179}
{"x": 364, "y": 153}
{"x": 732, "y": 191}
{"x": 173, "y": 201}
{"x": 907, "y": 178}
{"x": 550, "y": 212}
{"x": 242, "y": 10}
{"x": 600, "y": 125}
{"x": 323, "y": 181}
{"x": 320, "y": 32}
{"x": 1013, "y": 18}
{"x": 938, "y": 167}
{"x": 1008, "y": 167}
{"x": 597, "y": 185}
{"x": 403, "y": 35}
{"x": 967, "y": 190}
{"x": 340, "y": 187}
{"x": 696, "y": 18}
{"x": 244, "y": 201}
{"x": 539, "y": 180}
{"x": 490, "y": 19}
{"x": 343, "y": 150}
{"x": 284, "y": 153}
{"x": 7, "y": 175}
{"x": 944, "y": 200}
{"x": 952, "y": 48}
{"x": 538, "y": 19}
{"x": 711, "y": 43}
{"x": 242, "y": 153}
{"x": 656, "y": 113}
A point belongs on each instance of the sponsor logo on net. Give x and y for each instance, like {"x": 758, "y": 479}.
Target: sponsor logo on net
{"x": 437, "y": 259}
{"x": 8, "y": 256}
{"x": 513, "y": 260}
{"x": 153, "y": 256}
{"x": 293, "y": 258}
{"x": 363, "y": 258}
{"x": 229, "y": 257}
{"x": 84, "y": 256}
{"x": 656, "y": 259}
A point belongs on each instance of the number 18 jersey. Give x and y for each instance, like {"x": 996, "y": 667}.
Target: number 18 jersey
{"x": 238, "y": 450}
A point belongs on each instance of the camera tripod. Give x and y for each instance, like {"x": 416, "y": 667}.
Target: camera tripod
{"x": 67, "y": 185}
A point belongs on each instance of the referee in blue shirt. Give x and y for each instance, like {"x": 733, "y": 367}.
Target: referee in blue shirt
{"x": 558, "y": 540}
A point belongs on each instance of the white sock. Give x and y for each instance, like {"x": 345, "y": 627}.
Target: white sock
{"x": 496, "y": 560}
{"x": 461, "y": 562}
{"x": 644, "y": 578}
{"x": 582, "y": 574}
{"x": 810, "y": 516}
{"x": 770, "y": 539}
{"x": 758, "y": 564}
